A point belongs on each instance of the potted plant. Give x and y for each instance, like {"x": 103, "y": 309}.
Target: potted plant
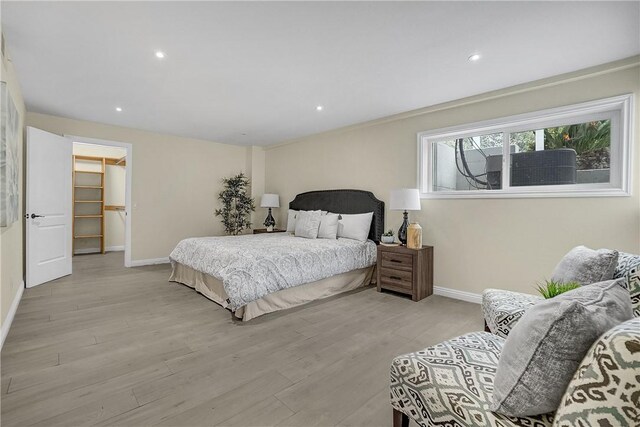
{"x": 551, "y": 289}
{"x": 237, "y": 205}
{"x": 387, "y": 237}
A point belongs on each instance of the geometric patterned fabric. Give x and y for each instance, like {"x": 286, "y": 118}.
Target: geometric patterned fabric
{"x": 451, "y": 384}
{"x": 502, "y": 309}
{"x": 629, "y": 268}
{"x": 605, "y": 390}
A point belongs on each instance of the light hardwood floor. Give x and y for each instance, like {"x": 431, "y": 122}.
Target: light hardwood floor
{"x": 115, "y": 346}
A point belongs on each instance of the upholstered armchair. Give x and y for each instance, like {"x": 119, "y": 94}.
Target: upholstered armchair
{"x": 502, "y": 309}
{"x": 452, "y": 383}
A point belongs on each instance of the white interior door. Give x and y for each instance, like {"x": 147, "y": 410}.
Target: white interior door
{"x": 48, "y": 206}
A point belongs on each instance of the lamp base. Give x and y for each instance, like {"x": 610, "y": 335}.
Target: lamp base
{"x": 269, "y": 222}
{"x": 402, "y": 232}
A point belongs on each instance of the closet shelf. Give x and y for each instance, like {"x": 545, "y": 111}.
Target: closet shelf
{"x": 114, "y": 208}
{"x": 77, "y": 187}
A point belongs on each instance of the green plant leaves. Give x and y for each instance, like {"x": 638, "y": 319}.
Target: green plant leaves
{"x": 237, "y": 205}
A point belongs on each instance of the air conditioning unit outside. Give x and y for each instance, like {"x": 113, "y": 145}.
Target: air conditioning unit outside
{"x": 546, "y": 167}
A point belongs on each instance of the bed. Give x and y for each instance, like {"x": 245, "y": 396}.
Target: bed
{"x": 252, "y": 275}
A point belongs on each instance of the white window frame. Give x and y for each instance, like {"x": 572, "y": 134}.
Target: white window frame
{"x": 618, "y": 109}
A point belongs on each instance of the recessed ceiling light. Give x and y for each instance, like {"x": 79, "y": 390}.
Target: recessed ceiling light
{"x": 118, "y": 109}
{"x": 159, "y": 54}
{"x": 474, "y": 57}
{"x": 319, "y": 108}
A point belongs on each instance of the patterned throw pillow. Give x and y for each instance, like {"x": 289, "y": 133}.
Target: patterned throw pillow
{"x": 605, "y": 390}
{"x": 629, "y": 269}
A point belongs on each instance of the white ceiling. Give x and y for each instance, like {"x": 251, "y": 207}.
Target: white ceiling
{"x": 261, "y": 68}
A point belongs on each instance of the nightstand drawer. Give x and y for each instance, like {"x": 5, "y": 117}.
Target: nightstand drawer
{"x": 396, "y": 278}
{"x": 397, "y": 261}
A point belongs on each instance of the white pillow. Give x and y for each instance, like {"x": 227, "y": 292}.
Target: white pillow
{"x": 307, "y": 224}
{"x": 291, "y": 221}
{"x": 328, "y": 226}
{"x": 355, "y": 226}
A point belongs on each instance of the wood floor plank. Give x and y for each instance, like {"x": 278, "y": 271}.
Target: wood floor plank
{"x": 110, "y": 345}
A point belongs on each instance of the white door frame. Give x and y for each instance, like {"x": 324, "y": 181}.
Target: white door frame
{"x": 127, "y": 195}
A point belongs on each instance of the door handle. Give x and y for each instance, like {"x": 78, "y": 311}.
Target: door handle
{"x": 36, "y": 216}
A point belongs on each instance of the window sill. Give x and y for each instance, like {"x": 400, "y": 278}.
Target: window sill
{"x": 498, "y": 194}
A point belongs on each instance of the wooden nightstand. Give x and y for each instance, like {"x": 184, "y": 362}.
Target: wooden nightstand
{"x": 404, "y": 270}
{"x": 264, "y": 230}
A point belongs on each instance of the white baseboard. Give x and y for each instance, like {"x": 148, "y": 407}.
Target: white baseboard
{"x": 151, "y": 261}
{"x": 455, "y": 294}
{"x": 114, "y": 248}
{"x": 6, "y": 324}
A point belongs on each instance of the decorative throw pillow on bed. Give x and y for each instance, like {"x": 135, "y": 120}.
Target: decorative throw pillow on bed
{"x": 291, "y": 221}
{"x": 328, "y": 226}
{"x": 355, "y": 226}
{"x": 307, "y": 224}
{"x": 584, "y": 265}
{"x": 544, "y": 349}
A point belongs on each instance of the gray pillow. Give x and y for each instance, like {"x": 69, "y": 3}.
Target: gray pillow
{"x": 544, "y": 349}
{"x": 307, "y": 224}
{"x": 585, "y": 266}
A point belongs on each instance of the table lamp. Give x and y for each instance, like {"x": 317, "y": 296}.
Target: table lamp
{"x": 270, "y": 201}
{"x": 404, "y": 199}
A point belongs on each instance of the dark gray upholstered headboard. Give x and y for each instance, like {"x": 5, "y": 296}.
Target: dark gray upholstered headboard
{"x": 344, "y": 202}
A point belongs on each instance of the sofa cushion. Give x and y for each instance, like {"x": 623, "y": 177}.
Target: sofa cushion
{"x": 629, "y": 269}
{"x": 585, "y": 266}
{"x": 543, "y": 350}
{"x": 450, "y": 384}
{"x": 605, "y": 390}
{"x": 502, "y": 309}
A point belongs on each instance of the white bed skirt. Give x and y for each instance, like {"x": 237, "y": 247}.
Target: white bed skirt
{"x": 213, "y": 289}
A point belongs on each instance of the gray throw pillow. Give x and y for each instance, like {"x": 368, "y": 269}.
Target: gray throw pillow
{"x": 544, "y": 349}
{"x": 307, "y": 224}
{"x": 585, "y": 266}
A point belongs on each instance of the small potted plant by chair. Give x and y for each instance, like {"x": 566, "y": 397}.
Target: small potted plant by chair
{"x": 387, "y": 237}
{"x": 550, "y": 288}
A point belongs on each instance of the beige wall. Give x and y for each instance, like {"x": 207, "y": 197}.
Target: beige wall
{"x": 11, "y": 244}
{"x": 114, "y": 194}
{"x": 175, "y": 181}
{"x": 255, "y": 158}
{"x": 479, "y": 243}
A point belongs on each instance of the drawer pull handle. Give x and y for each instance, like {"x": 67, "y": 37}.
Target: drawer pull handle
{"x": 395, "y": 277}
{"x": 395, "y": 260}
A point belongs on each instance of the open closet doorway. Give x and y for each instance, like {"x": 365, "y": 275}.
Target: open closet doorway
{"x": 101, "y": 197}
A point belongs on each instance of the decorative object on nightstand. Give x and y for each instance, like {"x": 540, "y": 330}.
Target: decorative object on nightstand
{"x": 270, "y": 201}
{"x": 387, "y": 237}
{"x": 407, "y": 271}
{"x": 404, "y": 199}
{"x": 414, "y": 236}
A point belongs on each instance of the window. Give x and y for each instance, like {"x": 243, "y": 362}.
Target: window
{"x": 579, "y": 150}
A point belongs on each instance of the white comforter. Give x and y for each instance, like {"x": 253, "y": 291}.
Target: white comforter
{"x": 252, "y": 266}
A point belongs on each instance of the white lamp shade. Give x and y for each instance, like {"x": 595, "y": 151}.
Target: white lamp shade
{"x": 270, "y": 201}
{"x": 405, "y": 199}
